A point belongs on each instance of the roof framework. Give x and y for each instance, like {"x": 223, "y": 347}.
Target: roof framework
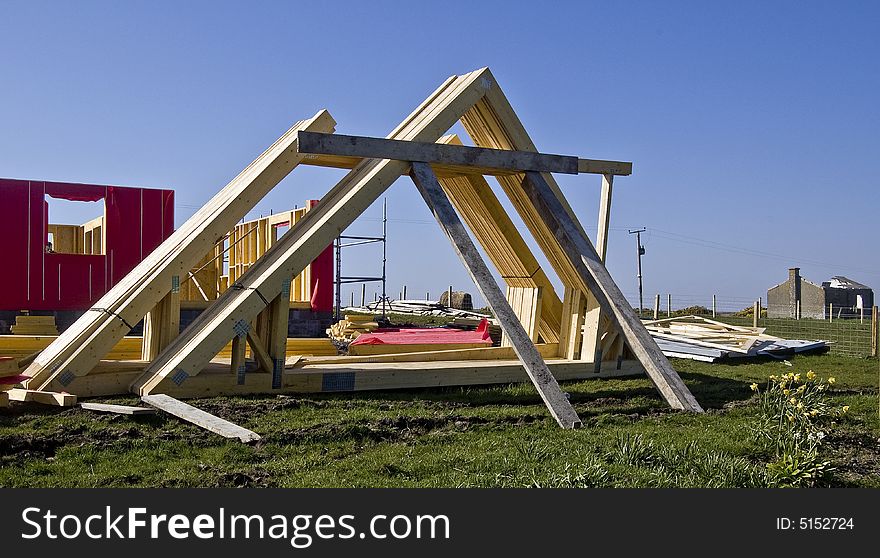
{"x": 588, "y": 330}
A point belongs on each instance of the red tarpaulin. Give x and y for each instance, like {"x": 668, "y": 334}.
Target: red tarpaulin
{"x": 425, "y": 336}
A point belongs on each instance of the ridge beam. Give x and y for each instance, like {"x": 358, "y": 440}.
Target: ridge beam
{"x": 462, "y": 158}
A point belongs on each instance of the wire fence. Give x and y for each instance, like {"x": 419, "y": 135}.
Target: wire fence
{"x": 850, "y": 331}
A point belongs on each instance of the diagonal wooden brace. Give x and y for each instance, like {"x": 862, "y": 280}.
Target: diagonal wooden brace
{"x": 429, "y": 187}
{"x": 579, "y": 250}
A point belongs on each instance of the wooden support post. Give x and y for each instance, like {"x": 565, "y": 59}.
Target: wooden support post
{"x": 449, "y": 300}
{"x": 830, "y": 311}
{"x": 162, "y": 323}
{"x": 714, "y": 306}
{"x": 363, "y": 294}
{"x": 404, "y": 293}
{"x": 875, "y": 332}
{"x": 278, "y": 325}
{"x": 755, "y": 311}
{"x": 669, "y": 305}
{"x": 535, "y": 367}
{"x": 238, "y": 364}
{"x": 657, "y": 307}
{"x": 571, "y": 332}
{"x": 595, "y": 277}
{"x": 604, "y": 216}
{"x": 593, "y": 319}
{"x": 797, "y": 313}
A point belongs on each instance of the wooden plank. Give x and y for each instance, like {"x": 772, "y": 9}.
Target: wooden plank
{"x": 43, "y": 397}
{"x": 200, "y": 418}
{"x": 118, "y": 409}
{"x": 537, "y": 370}
{"x": 308, "y": 237}
{"x": 481, "y": 159}
{"x": 596, "y": 278}
{"x": 607, "y": 168}
{"x": 91, "y": 337}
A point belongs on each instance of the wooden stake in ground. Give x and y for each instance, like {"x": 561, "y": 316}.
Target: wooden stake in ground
{"x": 595, "y": 276}
{"x": 537, "y": 370}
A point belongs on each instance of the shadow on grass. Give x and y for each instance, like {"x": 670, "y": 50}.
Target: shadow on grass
{"x": 710, "y": 391}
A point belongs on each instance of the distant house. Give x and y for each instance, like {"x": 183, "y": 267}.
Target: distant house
{"x": 845, "y": 296}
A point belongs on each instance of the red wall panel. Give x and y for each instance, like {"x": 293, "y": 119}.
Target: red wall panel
{"x": 136, "y": 220}
{"x": 13, "y": 231}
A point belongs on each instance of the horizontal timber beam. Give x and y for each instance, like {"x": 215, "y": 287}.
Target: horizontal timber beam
{"x": 342, "y": 151}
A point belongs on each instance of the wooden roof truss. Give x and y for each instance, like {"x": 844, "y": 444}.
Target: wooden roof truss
{"x": 585, "y": 328}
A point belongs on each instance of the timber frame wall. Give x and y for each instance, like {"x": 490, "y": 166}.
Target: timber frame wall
{"x": 586, "y": 332}
{"x": 239, "y": 249}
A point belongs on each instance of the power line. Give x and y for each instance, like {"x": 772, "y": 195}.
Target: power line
{"x": 695, "y": 241}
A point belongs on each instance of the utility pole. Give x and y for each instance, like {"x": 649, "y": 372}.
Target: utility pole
{"x": 641, "y": 251}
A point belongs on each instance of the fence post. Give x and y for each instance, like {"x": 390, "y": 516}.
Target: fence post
{"x": 714, "y": 306}
{"x": 875, "y": 332}
{"x": 404, "y": 293}
{"x": 755, "y": 311}
{"x": 797, "y": 312}
{"x": 363, "y": 294}
{"x": 657, "y": 307}
{"x": 830, "y": 311}
{"x": 669, "y": 305}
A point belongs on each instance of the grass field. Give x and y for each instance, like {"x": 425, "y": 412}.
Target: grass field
{"x": 493, "y": 436}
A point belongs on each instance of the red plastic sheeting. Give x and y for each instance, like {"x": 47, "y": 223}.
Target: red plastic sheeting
{"x": 426, "y": 336}
{"x": 137, "y": 220}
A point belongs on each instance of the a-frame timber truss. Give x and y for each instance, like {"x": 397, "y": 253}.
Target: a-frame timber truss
{"x": 579, "y": 335}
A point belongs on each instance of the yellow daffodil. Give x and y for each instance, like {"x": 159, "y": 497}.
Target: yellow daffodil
{"x": 831, "y": 380}
{"x": 797, "y": 377}
{"x": 793, "y": 401}
{"x": 786, "y": 391}
{"x": 754, "y": 387}
{"x": 811, "y": 375}
{"x": 845, "y": 408}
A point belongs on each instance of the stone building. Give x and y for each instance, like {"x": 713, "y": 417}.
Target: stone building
{"x": 847, "y": 297}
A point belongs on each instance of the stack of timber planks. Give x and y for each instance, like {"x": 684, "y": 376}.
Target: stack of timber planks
{"x": 34, "y": 325}
{"x": 699, "y": 338}
{"x": 348, "y": 329}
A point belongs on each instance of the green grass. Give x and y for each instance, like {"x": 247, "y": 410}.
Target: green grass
{"x": 492, "y": 436}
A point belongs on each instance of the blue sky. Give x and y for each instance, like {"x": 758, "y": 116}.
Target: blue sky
{"x": 753, "y": 126}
